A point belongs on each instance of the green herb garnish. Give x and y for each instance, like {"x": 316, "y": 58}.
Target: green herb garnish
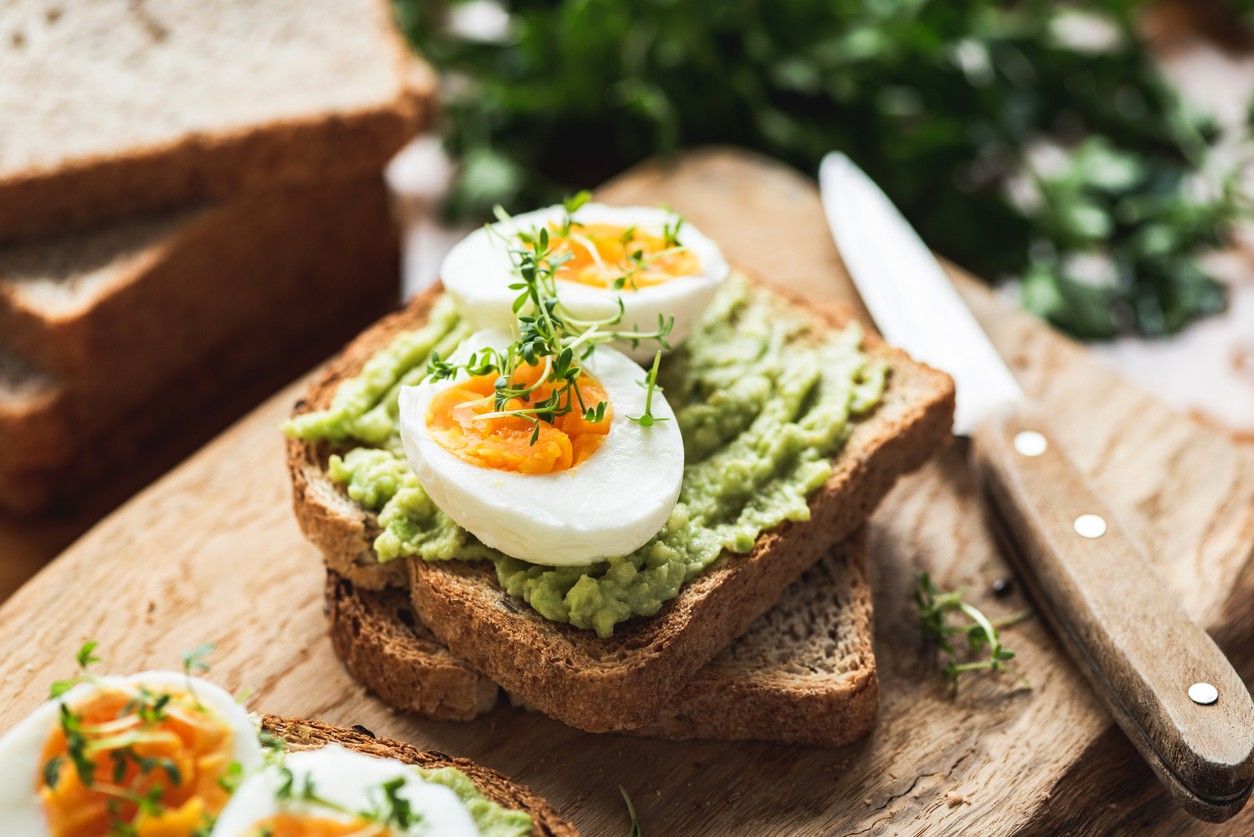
{"x": 984, "y": 649}
{"x": 86, "y": 658}
{"x": 635, "y": 830}
{"x": 647, "y": 419}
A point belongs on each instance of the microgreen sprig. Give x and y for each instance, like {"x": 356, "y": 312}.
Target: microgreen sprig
{"x": 982, "y": 634}
{"x": 86, "y": 658}
{"x": 195, "y": 662}
{"x": 634, "y": 830}
{"x": 387, "y": 805}
{"x": 647, "y": 419}
{"x": 549, "y": 334}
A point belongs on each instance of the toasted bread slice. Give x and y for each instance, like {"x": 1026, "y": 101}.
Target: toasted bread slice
{"x": 93, "y": 324}
{"x": 310, "y": 735}
{"x": 157, "y": 331}
{"x": 803, "y": 673}
{"x": 186, "y": 99}
{"x": 622, "y": 682}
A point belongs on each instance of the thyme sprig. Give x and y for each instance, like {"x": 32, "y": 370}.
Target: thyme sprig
{"x": 549, "y": 335}
{"x": 984, "y": 649}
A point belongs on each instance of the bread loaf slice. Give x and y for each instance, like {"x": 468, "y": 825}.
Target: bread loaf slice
{"x": 624, "y": 682}
{"x": 310, "y": 735}
{"x": 166, "y": 320}
{"x": 804, "y": 672}
{"x": 115, "y": 107}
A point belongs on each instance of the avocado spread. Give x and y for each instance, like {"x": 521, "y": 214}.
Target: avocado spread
{"x": 491, "y": 819}
{"x": 763, "y": 401}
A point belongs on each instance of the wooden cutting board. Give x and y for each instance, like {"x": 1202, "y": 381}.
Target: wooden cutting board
{"x": 211, "y": 552}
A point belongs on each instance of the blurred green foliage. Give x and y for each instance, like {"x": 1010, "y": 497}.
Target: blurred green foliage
{"x": 1023, "y": 140}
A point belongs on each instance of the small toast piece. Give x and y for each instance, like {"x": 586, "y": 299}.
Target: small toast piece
{"x": 310, "y": 735}
{"x": 804, "y": 672}
{"x": 624, "y": 681}
{"x": 185, "y": 100}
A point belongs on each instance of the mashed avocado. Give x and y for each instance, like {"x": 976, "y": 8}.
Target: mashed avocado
{"x": 491, "y": 819}
{"x": 762, "y": 402}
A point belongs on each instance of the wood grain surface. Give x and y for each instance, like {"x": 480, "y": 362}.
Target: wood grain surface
{"x": 211, "y": 552}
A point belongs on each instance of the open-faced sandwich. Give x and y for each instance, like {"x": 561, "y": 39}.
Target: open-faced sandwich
{"x": 169, "y": 754}
{"x": 583, "y": 530}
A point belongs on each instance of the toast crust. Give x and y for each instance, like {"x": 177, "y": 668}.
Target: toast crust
{"x": 310, "y": 735}
{"x": 391, "y": 653}
{"x": 623, "y": 682}
{"x": 83, "y": 191}
{"x": 384, "y": 646}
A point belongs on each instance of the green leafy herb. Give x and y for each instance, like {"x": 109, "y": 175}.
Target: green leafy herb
{"x": 984, "y": 650}
{"x": 946, "y": 105}
{"x": 195, "y": 662}
{"x": 647, "y": 419}
{"x": 635, "y": 830}
{"x": 86, "y": 658}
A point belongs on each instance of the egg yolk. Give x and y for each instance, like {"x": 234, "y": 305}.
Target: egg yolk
{"x": 611, "y": 256}
{"x": 463, "y": 420}
{"x": 295, "y": 825}
{"x": 156, "y": 774}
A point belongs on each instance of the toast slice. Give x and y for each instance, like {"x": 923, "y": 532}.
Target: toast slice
{"x": 186, "y": 100}
{"x": 102, "y": 321}
{"x": 310, "y": 735}
{"x": 804, "y": 672}
{"x": 622, "y": 682}
{"x": 179, "y": 326}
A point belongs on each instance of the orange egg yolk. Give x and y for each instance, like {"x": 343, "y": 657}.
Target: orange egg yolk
{"x": 296, "y": 825}
{"x": 611, "y": 256}
{"x": 174, "y": 762}
{"x": 463, "y": 420}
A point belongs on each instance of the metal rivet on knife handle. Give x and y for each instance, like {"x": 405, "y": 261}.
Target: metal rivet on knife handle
{"x": 1203, "y": 694}
{"x": 1090, "y": 526}
{"x": 1030, "y": 443}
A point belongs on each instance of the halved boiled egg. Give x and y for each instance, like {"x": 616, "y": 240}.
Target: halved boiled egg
{"x": 149, "y": 754}
{"x": 564, "y": 490}
{"x": 334, "y": 791}
{"x": 630, "y": 253}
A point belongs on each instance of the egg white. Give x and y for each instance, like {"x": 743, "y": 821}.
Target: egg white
{"x": 22, "y": 809}
{"x": 610, "y": 504}
{"x": 477, "y": 273}
{"x": 349, "y": 779}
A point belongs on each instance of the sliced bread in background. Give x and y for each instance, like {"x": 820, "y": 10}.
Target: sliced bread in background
{"x": 157, "y": 325}
{"x": 804, "y": 672}
{"x": 114, "y": 107}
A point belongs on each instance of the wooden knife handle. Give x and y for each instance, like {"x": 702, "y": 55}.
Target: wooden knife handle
{"x": 1155, "y": 670}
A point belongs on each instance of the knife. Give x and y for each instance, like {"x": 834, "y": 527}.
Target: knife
{"x": 1164, "y": 680}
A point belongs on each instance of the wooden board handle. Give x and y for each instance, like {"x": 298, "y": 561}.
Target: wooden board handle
{"x": 1162, "y": 677}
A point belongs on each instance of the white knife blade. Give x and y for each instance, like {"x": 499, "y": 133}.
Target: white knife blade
{"x": 913, "y": 302}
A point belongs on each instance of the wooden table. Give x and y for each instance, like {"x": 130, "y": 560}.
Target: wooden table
{"x": 211, "y": 552}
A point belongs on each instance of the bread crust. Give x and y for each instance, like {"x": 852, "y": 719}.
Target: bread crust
{"x": 623, "y": 682}
{"x": 345, "y": 142}
{"x": 310, "y": 735}
{"x": 390, "y": 652}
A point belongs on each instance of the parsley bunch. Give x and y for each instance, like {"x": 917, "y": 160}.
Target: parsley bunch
{"x": 946, "y": 105}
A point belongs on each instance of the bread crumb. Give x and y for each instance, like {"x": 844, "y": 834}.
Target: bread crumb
{"x": 953, "y": 799}
{"x": 866, "y": 800}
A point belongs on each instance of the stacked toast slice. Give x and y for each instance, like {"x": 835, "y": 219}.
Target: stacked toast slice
{"x": 163, "y": 255}
{"x": 683, "y": 673}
